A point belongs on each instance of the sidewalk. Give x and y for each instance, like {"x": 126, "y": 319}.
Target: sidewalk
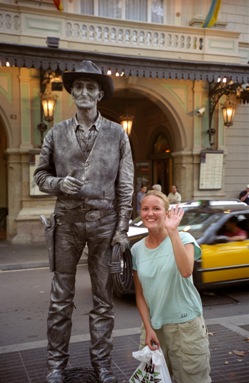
{"x": 26, "y": 363}
{"x": 20, "y": 256}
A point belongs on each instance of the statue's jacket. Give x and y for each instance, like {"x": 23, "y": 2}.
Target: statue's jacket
{"x": 107, "y": 173}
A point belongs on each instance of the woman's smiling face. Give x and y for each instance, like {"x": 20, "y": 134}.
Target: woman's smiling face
{"x": 153, "y": 212}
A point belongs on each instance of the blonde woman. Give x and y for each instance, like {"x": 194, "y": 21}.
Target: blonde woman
{"x": 168, "y": 302}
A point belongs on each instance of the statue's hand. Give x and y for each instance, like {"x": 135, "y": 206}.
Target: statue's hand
{"x": 121, "y": 238}
{"x": 70, "y": 185}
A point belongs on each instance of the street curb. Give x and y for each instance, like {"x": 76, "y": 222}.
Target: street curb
{"x": 31, "y": 265}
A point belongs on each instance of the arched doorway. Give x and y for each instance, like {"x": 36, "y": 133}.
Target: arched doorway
{"x": 161, "y": 163}
{"x": 156, "y": 132}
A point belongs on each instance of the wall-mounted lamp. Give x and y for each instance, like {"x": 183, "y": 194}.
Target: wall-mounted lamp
{"x": 49, "y": 81}
{"x": 48, "y": 98}
{"x": 126, "y": 120}
{"x": 228, "y": 111}
{"x": 48, "y": 101}
{"x": 216, "y": 91}
{"x": 48, "y": 105}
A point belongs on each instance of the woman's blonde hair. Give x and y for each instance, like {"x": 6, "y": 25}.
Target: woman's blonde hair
{"x": 158, "y": 194}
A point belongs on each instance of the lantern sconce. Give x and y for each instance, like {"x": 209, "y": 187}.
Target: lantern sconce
{"x": 48, "y": 98}
{"x": 126, "y": 120}
{"x": 216, "y": 91}
{"x": 50, "y": 81}
{"x": 239, "y": 91}
{"x": 228, "y": 111}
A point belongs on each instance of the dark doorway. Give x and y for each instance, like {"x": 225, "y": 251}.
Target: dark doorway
{"x": 162, "y": 163}
{"x": 162, "y": 173}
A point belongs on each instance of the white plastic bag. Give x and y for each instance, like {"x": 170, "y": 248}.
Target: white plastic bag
{"x": 152, "y": 367}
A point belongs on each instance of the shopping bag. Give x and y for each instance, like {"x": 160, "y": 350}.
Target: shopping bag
{"x": 152, "y": 367}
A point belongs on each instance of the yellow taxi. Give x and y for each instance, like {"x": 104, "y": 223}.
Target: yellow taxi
{"x": 225, "y": 255}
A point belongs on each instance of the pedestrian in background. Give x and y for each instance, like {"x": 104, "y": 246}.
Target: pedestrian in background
{"x": 140, "y": 196}
{"x": 169, "y": 304}
{"x": 157, "y": 187}
{"x": 244, "y": 195}
{"x": 174, "y": 196}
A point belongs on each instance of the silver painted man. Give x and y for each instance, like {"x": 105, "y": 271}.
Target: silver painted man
{"x": 86, "y": 162}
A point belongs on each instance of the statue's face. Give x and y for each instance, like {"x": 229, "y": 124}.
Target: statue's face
{"x": 86, "y": 93}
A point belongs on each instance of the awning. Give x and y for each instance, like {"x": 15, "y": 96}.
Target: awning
{"x": 63, "y": 59}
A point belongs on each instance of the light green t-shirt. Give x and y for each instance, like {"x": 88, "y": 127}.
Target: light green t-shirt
{"x": 170, "y": 297}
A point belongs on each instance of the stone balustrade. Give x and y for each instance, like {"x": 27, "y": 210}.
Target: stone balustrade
{"x": 143, "y": 37}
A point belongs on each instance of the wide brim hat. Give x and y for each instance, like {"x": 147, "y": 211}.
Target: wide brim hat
{"x": 88, "y": 69}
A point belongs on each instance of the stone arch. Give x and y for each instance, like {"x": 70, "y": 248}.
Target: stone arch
{"x": 170, "y": 107}
{"x": 172, "y": 101}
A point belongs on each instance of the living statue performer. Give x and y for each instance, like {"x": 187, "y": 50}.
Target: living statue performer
{"x": 86, "y": 162}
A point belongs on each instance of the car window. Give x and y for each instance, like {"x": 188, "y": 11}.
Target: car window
{"x": 242, "y": 222}
{"x": 196, "y": 222}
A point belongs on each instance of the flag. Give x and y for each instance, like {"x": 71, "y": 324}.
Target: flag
{"x": 212, "y": 15}
{"x": 59, "y": 5}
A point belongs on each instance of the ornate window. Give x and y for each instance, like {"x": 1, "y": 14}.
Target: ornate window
{"x": 87, "y": 7}
{"x": 161, "y": 145}
{"x": 157, "y": 11}
{"x": 136, "y": 10}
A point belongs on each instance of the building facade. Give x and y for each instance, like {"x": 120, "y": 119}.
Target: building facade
{"x": 170, "y": 74}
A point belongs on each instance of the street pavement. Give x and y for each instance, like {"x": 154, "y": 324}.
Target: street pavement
{"x": 26, "y": 362}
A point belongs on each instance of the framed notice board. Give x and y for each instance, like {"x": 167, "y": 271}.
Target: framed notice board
{"x": 211, "y": 169}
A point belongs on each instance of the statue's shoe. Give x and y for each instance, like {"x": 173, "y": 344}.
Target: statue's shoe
{"x": 55, "y": 376}
{"x": 106, "y": 376}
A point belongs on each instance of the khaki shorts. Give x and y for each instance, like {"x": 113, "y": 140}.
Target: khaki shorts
{"x": 186, "y": 350}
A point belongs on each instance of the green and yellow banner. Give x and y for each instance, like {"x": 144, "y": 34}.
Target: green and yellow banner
{"x": 212, "y": 15}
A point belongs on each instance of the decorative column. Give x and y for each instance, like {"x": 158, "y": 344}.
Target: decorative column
{"x": 25, "y": 109}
